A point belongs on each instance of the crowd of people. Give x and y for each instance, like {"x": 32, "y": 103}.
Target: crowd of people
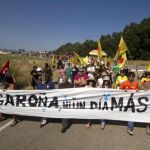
{"x": 94, "y": 74}
{"x": 91, "y": 75}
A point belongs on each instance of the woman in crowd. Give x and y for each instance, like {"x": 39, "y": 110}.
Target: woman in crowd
{"x": 106, "y": 84}
{"x": 91, "y": 83}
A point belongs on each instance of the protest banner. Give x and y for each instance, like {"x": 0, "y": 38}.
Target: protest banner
{"x": 78, "y": 103}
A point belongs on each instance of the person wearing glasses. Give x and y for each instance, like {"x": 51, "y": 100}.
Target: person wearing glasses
{"x": 80, "y": 78}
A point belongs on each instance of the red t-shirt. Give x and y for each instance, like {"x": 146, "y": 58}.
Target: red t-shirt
{"x": 83, "y": 77}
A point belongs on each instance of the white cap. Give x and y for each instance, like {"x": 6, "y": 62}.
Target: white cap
{"x": 38, "y": 69}
{"x": 106, "y": 78}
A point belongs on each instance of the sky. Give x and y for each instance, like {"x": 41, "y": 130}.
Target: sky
{"x": 48, "y": 24}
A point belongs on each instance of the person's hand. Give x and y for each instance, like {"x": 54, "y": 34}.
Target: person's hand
{"x": 145, "y": 89}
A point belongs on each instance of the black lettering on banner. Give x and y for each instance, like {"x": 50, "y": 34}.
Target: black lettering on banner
{"x": 73, "y": 105}
{"x": 1, "y": 101}
{"x": 80, "y": 105}
{"x": 115, "y": 105}
{"x": 69, "y": 104}
{"x": 20, "y": 99}
{"x": 99, "y": 105}
{"x": 65, "y": 104}
{"x": 9, "y": 100}
{"x": 54, "y": 102}
{"x": 93, "y": 105}
{"x": 105, "y": 106}
{"x": 43, "y": 101}
{"x": 130, "y": 104}
{"x": 142, "y": 104}
{"x": 33, "y": 100}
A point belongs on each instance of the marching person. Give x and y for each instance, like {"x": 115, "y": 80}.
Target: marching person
{"x": 130, "y": 84}
{"x": 48, "y": 72}
{"x": 34, "y": 74}
{"x": 91, "y": 83}
{"x": 44, "y": 84}
{"x": 10, "y": 84}
{"x": 80, "y": 78}
{"x": 106, "y": 84}
{"x": 146, "y": 86}
{"x": 120, "y": 78}
{"x": 65, "y": 84}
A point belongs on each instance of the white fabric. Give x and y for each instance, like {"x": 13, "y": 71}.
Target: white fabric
{"x": 81, "y": 103}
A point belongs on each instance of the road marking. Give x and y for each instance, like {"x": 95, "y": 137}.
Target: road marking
{"x": 6, "y": 125}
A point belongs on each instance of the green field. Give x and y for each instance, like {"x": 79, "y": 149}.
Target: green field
{"x": 22, "y": 66}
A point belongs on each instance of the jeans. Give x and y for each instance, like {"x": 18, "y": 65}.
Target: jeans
{"x": 130, "y": 125}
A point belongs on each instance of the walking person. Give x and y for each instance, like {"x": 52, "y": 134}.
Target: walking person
{"x": 106, "y": 84}
{"x": 130, "y": 84}
{"x": 65, "y": 84}
{"x": 44, "y": 84}
{"x": 10, "y": 84}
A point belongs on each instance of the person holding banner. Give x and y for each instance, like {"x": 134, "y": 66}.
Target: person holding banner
{"x": 106, "y": 84}
{"x": 91, "y": 83}
{"x": 120, "y": 78}
{"x": 146, "y": 86}
{"x": 130, "y": 84}
{"x": 44, "y": 84}
{"x": 10, "y": 84}
{"x": 65, "y": 84}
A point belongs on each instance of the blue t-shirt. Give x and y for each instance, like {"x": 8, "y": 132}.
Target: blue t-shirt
{"x": 47, "y": 86}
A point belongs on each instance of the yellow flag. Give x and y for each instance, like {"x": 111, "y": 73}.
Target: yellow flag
{"x": 75, "y": 59}
{"x": 148, "y": 67}
{"x": 53, "y": 60}
{"x": 122, "y": 60}
{"x": 85, "y": 60}
{"x": 79, "y": 58}
{"x": 99, "y": 49}
{"x": 121, "y": 48}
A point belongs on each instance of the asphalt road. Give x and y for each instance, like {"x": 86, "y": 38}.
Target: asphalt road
{"x": 27, "y": 135}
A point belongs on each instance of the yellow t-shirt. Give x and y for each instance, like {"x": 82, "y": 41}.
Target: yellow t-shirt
{"x": 119, "y": 80}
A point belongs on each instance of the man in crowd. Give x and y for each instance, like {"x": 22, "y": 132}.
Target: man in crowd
{"x": 130, "y": 84}
{"x": 44, "y": 84}
{"x": 63, "y": 85}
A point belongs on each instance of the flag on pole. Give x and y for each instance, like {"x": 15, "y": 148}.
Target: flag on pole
{"x": 148, "y": 67}
{"x": 53, "y": 61}
{"x": 4, "y": 69}
{"x": 99, "y": 49}
{"x": 121, "y": 48}
{"x": 85, "y": 60}
{"x": 122, "y": 60}
{"x": 78, "y": 58}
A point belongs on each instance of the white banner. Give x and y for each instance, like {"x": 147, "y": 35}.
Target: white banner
{"x": 78, "y": 103}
